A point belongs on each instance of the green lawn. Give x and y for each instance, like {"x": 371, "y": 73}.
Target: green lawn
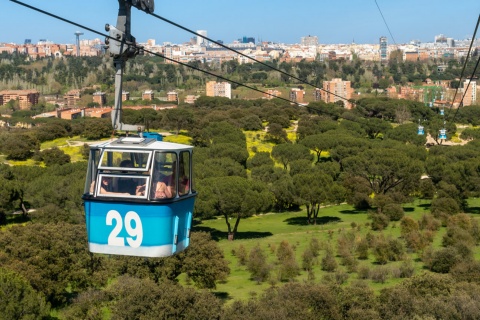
{"x": 269, "y": 230}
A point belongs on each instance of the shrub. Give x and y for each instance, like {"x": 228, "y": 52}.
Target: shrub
{"x": 393, "y": 211}
{"x": 428, "y": 222}
{"x": 379, "y": 221}
{"x": 407, "y": 269}
{"x": 288, "y": 270}
{"x": 341, "y": 277}
{"x": 362, "y": 249}
{"x": 444, "y": 259}
{"x": 54, "y": 156}
{"x": 328, "y": 261}
{"x": 307, "y": 259}
{"x": 468, "y": 271}
{"x": 350, "y": 263}
{"x": 363, "y": 272}
{"x": 285, "y": 252}
{"x": 315, "y": 246}
{"x": 241, "y": 254}
{"x": 379, "y": 274}
{"x": 408, "y": 225}
{"x": 360, "y": 201}
{"x": 257, "y": 264}
{"x": 444, "y": 207}
{"x": 381, "y": 250}
{"x": 396, "y": 250}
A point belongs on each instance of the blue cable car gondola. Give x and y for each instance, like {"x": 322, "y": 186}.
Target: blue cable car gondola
{"x": 421, "y": 130}
{"x": 443, "y": 134}
{"x": 139, "y": 195}
{"x": 127, "y": 212}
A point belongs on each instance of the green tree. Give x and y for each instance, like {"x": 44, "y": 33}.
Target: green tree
{"x": 385, "y": 170}
{"x": 318, "y": 143}
{"x": 18, "y": 146}
{"x": 178, "y": 119}
{"x": 132, "y": 298}
{"x": 316, "y": 189}
{"x": 232, "y": 197}
{"x": 285, "y": 153}
{"x": 276, "y": 133}
{"x": 52, "y": 257}
{"x": 97, "y": 129}
{"x": 54, "y": 156}
{"x": 18, "y": 300}
{"x": 204, "y": 262}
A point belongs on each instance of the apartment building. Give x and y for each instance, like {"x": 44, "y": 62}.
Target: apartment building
{"x": 148, "y": 95}
{"x": 190, "y": 99}
{"x": 172, "y": 96}
{"x": 100, "y": 98}
{"x": 297, "y": 95}
{"x": 469, "y": 92}
{"x": 125, "y": 95}
{"x": 219, "y": 89}
{"x": 336, "y": 90}
{"x": 271, "y": 93}
{"x": 71, "y": 98}
{"x": 26, "y": 98}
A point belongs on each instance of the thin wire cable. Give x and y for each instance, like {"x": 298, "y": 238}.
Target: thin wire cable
{"x": 463, "y": 70}
{"x": 466, "y": 89}
{"x": 157, "y": 54}
{"x": 385, "y": 21}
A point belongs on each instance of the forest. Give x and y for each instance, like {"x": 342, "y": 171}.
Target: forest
{"x": 333, "y": 156}
{"x": 267, "y": 158}
{"x": 57, "y": 76}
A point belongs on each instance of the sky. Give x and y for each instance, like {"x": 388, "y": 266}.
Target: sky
{"x": 280, "y": 21}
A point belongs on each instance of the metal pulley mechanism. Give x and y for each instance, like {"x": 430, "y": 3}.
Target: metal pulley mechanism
{"x": 144, "y": 5}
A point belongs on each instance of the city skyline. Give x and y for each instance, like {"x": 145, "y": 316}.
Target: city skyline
{"x": 356, "y": 21}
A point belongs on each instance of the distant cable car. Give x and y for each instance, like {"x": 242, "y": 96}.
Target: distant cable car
{"x": 139, "y": 197}
{"x": 421, "y": 130}
{"x": 442, "y": 112}
{"x": 443, "y": 134}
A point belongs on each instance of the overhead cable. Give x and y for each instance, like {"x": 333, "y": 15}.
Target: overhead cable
{"x": 463, "y": 70}
{"x": 385, "y": 21}
{"x": 245, "y": 55}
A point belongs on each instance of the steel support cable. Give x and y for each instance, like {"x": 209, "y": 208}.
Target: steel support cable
{"x": 463, "y": 69}
{"x": 157, "y": 54}
{"x": 385, "y": 21}
{"x": 245, "y": 55}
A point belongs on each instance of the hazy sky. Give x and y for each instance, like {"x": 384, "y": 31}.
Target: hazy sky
{"x": 273, "y": 20}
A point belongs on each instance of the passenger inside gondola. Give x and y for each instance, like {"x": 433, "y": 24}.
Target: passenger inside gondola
{"x": 164, "y": 176}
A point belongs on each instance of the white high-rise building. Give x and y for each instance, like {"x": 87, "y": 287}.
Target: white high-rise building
{"x": 201, "y": 40}
{"x": 219, "y": 89}
{"x": 470, "y": 92}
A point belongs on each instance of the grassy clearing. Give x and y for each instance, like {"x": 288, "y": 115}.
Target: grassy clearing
{"x": 180, "y": 138}
{"x": 269, "y": 230}
{"x": 256, "y": 142}
{"x": 60, "y": 142}
{"x": 28, "y": 162}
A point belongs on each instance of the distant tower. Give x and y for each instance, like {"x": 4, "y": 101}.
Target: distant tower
{"x": 201, "y": 40}
{"x": 383, "y": 49}
{"x": 78, "y": 34}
